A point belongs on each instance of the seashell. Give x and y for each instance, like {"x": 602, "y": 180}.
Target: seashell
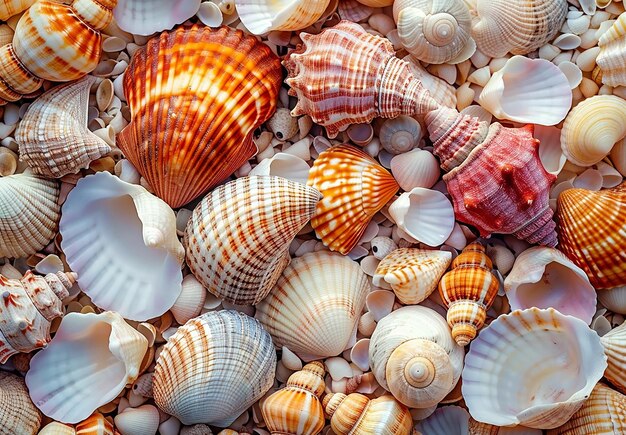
{"x": 614, "y": 343}
{"x": 211, "y": 138}
{"x": 376, "y": 3}
{"x": 440, "y": 90}
{"x": 316, "y": 304}
{"x": 592, "y": 128}
{"x": 297, "y": 409}
{"x": 495, "y": 194}
{"x": 53, "y": 135}
{"x": 611, "y": 59}
{"x": 142, "y": 262}
{"x": 142, "y": 17}
{"x": 283, "y": 165}
{"x": 613, "y": 299}
{"x": 413, "y": 355}
{"x": 56, "y": 428}
{"x": 544, "y": 277}
{"x": 8, "y": 8}
{"x": 96, "y": 424}
{"x": 143, "y": 420}
{"x": 618, "y": 156}
{"x": 413, "y": 274}
{"x": 401, "y": 134}
{"x": 356, "y": 414}
{"x": 282, "y": 124}
{"x": 352, "y": 10}
{"x": 338, "y": 59}
{"x": 260, "y": 17}
{"x": 354, "y": 188}
{"x": 214, "y": 368}
{"x": 29, "y": 214}
{"x": 30, "y": 305}
{"x": 447, "y": 420}
{"x": 527, "y": 90}
{"x": 18, "y": 415}
{"x": 238, "y": 236}
{"x": 468, "y": 291}
{"x": 382, "y": 246}
{"x": 210, "y": 14}
{"x": 100, "y": 345}
{"x": 435, "y": 32}
{"x": 516, "y": 26}
{"x": 501, "y": 383}
{"x": 591, "y": 233}
{"x": 550, "y": 152}
{"x": 190, "y": 301}
{"x": 610, "y": 176}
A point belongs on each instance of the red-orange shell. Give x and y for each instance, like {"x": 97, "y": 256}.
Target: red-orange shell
{"x": 196, "y": 94}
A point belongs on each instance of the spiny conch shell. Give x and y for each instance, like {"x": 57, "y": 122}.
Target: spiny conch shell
{"x": 532, "y": 367}
{"x": 516, "y": 26}
{"x": 53, "y": 135}
{"x": 238, "y": 236}
{"x": 141, "y": 262}
{"x": 604, "y": 413}
{"x": 592, "y": 128}
{"x": 413, "y": 274}
{"x": 495, "y": 178}
{"x": 214, "y": 368}
{"x": 416, "y": 168}
{"x": 190, "y": 301}
{"x": 18, "y": 415}
{"x": 29, "y": 214}
{"x": 315, "y": 306}
{"x": 8, "y": 8}
{"x": 297, "y": 409}
{"x": 218, "y": 86}
{"x": 354, "y": 188}
{"x": 345, "y": 76}
{"x": 145, "y": 17}
{"x": 401, "y": 134}
{"x": 53, "y": 41}
{"x": 468, "y": 291}
{"x": 30, "y": 305}
{"x": 533, "y": 91}
{"x": 435, "y": 31}
{"x": 614, "y": 343}
{"x": 544, "y": 277}
{"x": 260, "y": 16}
{"x": 439, "y": 89}
{"x": 611, "y": 57}
{"x": 413, "y": 355}
{"x": 356, "y": 414}
{"x": 89, "y": 352}
{"x": 591, "y": 227}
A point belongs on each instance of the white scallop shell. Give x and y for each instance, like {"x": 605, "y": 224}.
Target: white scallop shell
{"x": 121, "y": 240}
{"x": 260, "y": 16}
{"x": 416, "y": 168}
{"x": 613, "y": 299}
{"x": 283, "y": 165}
{"x": 145, "y": 17}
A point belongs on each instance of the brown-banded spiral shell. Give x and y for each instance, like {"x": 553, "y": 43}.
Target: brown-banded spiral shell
{"x": 18, "y": 415}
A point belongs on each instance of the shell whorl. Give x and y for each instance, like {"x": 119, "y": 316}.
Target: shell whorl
{"x": 97, "y": 13}
{"x": 310, "y": 378}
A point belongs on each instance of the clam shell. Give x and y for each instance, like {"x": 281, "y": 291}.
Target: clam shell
{"x": 8, "y": 8}
{"x": 283, "y": 165}
{"x": 261, "y": 17}
{"x": 143, "y": 420}
{"x": 614, "y": 343}
{"x": 190, "y": 301}
{"x": 18, "y": 415}
{"x": 613, "y": 299}
{"x": 142, "y": 17}
{"x": 610, "y": 59}
{"x": 416, "y": 168}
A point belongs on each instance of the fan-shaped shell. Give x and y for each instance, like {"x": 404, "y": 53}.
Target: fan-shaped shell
{"x": 196, "y": 95}
{"x": 316, "y": 304}
{"x": 29, "y": 214}
{"x": 532, "y": 367}
{"x": 53, "y": 135}
{"x": 614, "y": 343}
{"x": 214, "y": 368}
{"x": 238, "y": 236}
{"x": 447, "y": 420}
{"x": 18, "y": 415}
{"x": 261, "y": 17}
{"x": 416, "y": 168}
{"x": 8, "y": 8}
{"x": 354, "y": 188}
{"x": 145, "y": 17}
{"x": 612, "y": 44}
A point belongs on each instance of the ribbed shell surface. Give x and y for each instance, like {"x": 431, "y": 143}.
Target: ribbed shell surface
{"x": 214, "y": 368}
{"x": 18, "y": 415}
{"x": 359, "y": 415}
{"x": 614, "y": 343}
{"x": 29, "y": 214}
{"x": 96, "y": 424}
{"x": 238, "y": 236}
{"x": 261, "y": 16}
{"x": 610, "y": 59}
{"x": 196, "y": 95}
{"x": 293, "y": 411}
{"x": 8, "y": 8}
{"x": 592, "y": 233}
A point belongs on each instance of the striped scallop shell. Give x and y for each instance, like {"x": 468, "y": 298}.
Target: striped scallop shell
{"x": 29, "y": 214}
{"x": 612, "y": 44}
{"x": 238, "y": 236}
{"x": 315, "y": 306}
{"x": 213, "y": 368}
{"x": 96, "y": 424}
{"x": 196, "y": 95}
{"x": 8, "y": 8}
{"x": 260, "y": 16}
{"x": 354, "y": 187}
{"x": 592, "y": 233}
{"x": 18, "y": 415}
{"x": 53, "y": 135}
{"x": 614, "y": 343}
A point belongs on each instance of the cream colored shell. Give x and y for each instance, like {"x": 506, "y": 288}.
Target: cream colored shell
{"x": 18, "y": 415}
{"x": 614, "y": 343}
{"x": 612, "y": 45}
{"x": 260, "y": 16}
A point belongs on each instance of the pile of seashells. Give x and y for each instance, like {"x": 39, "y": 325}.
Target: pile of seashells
{"x": 312, "y": 216}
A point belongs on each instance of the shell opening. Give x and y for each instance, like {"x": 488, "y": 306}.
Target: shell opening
{"x": 440, "y": 29}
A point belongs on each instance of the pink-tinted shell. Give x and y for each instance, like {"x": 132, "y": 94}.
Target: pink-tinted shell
{"x": 345, "y": 75}
{"x": 495, "y": 178}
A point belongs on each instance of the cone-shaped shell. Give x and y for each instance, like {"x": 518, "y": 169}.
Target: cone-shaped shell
{"x": 316, "y": 304}
{"x": 468, "y": 291}
{"x": 412, "y": 274}
{"x": 29, "y": 214}
{"x": 496, "y": 178}
{"x": 238, "y": 236}
{"x": 296, "y": 409}
{"x": 413, "y": 355}
{"x": 354, "y": 187}
{"x": 345, "y": 76}
{"x": 610, "y": 59}
{"x": 614, "y": 343}
{"x": 53, "y": 135}
{"x": 18, "y": 415}
{"x": 8, "y": 8}
{"x": 89, "y": 352}
{"x": 214, "y": 368}
{"x": 260, "y": 16}
{"x": 591, "y": 227}
{"x": 196, "y": 95}
{"x": 533, "y": 367}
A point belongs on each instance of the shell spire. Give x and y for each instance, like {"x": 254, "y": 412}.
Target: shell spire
{"x": 345, "y": 75}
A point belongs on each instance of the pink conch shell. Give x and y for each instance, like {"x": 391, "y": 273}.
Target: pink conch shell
{"x": 346, "y": 76}
{"x": 495, "y": 178}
